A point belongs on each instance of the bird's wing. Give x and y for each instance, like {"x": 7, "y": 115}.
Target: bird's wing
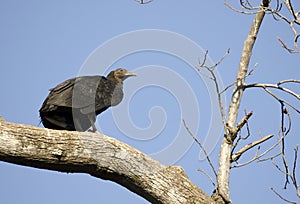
{"x": 90, "y": 94}
{"x": 77, "y": 92}
{"x": 84, "y": 91}
{"x": 61, "y": 95}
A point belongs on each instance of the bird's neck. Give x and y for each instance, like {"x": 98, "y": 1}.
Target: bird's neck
{"x": 114, "y": 79}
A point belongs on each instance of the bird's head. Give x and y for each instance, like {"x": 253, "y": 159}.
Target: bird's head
{"x": 119, "y": 75}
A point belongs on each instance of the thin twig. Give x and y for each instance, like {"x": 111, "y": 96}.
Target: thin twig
{"x": 292, "y": 20}
{"x": 252, "y": 70}
{"x": 201, "y": 64}
{"x": 282, "y": 101}
{"x": 288, "y": 81}
{"x": 281, "y": 197}
{"x": 279, "y": 169}
{"x": 201, "y": 146}
{"x": 213, "y": 77}
{"x": 269, "y": 158}
{"x": 283, "y": 133}
{"x": 244, "y": 11}
{"x": 247, "y": 127}
{"x": 227, "y": 87}
{"x": 259, "y": 156}
{"x": 288, "y": 173}
{"x": 208, "y": 176}
{"x": 282, "y": 44}
{"x": 275, "y": 86}
{"x": 243, "y": 121}
{"x": 291, "y": 9}
{"x": 143, "y": 2}
{"x": 294, "y": 178}
{"x": 240, "y": 135}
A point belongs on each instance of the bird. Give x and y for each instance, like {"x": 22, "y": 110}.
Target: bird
{"x": 74, "y": 104}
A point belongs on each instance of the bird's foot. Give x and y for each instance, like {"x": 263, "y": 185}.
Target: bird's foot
{"x": 94, "y": 131}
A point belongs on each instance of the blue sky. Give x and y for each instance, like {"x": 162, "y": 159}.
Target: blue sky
{"x": 44, "y": 43}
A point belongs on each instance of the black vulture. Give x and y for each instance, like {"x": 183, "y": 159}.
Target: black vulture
{"x": 75, "y": 103}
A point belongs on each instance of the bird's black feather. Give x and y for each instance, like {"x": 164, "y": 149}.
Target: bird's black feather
{"x": 75, "y": 103}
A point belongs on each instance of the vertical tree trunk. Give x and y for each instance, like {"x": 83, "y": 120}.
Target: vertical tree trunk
{"x": 230, "y": 131}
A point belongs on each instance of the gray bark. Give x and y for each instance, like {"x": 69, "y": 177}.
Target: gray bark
{"x": 100, "y": 156}
{"x": 231, "y": 129}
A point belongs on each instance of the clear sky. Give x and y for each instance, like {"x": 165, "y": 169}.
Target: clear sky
{"x": 46, "y": 42}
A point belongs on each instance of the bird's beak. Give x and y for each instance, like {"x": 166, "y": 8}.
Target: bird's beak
{"x": 129, "y": 74}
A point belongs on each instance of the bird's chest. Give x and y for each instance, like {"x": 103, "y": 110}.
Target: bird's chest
{"x": 117, "y": 95}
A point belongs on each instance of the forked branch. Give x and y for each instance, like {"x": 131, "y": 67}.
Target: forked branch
{"x": 278, "y": 86}
{"x": 239, "y": 153}
{"x": 292, "y": 18}
{"x": 212, "y": 75}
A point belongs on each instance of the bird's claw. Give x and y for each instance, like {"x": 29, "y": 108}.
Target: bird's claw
{"x": 94, "y": 131}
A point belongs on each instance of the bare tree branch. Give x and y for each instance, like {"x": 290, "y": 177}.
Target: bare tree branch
{"x": 290, "y": 174}
{"x": 239, "y": 153}
{"x": 249, "y": 10}
{"x": 293, "y": 176}
{"x": 232, "y": 130}
{"x": 292, "y": 20}
{"x": 281, "y": 100}
{"x": 292, "y": 51}
{"x": 288, "y": 81}
{"x": 258, "y": 157}
{"x": 208, "y": 176}
{"x": 284, "y": 133}
{"x": 244, "y": 121}
{"x": 100, "y": 156}
{"x": 295, "y": 163}
{"x": 276, "y": 86}
{"x": 282, "y": 198}
{"x": 240, "y": 136}
{"x": 213, "y": 77}
{"x": 143, "y": 2}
